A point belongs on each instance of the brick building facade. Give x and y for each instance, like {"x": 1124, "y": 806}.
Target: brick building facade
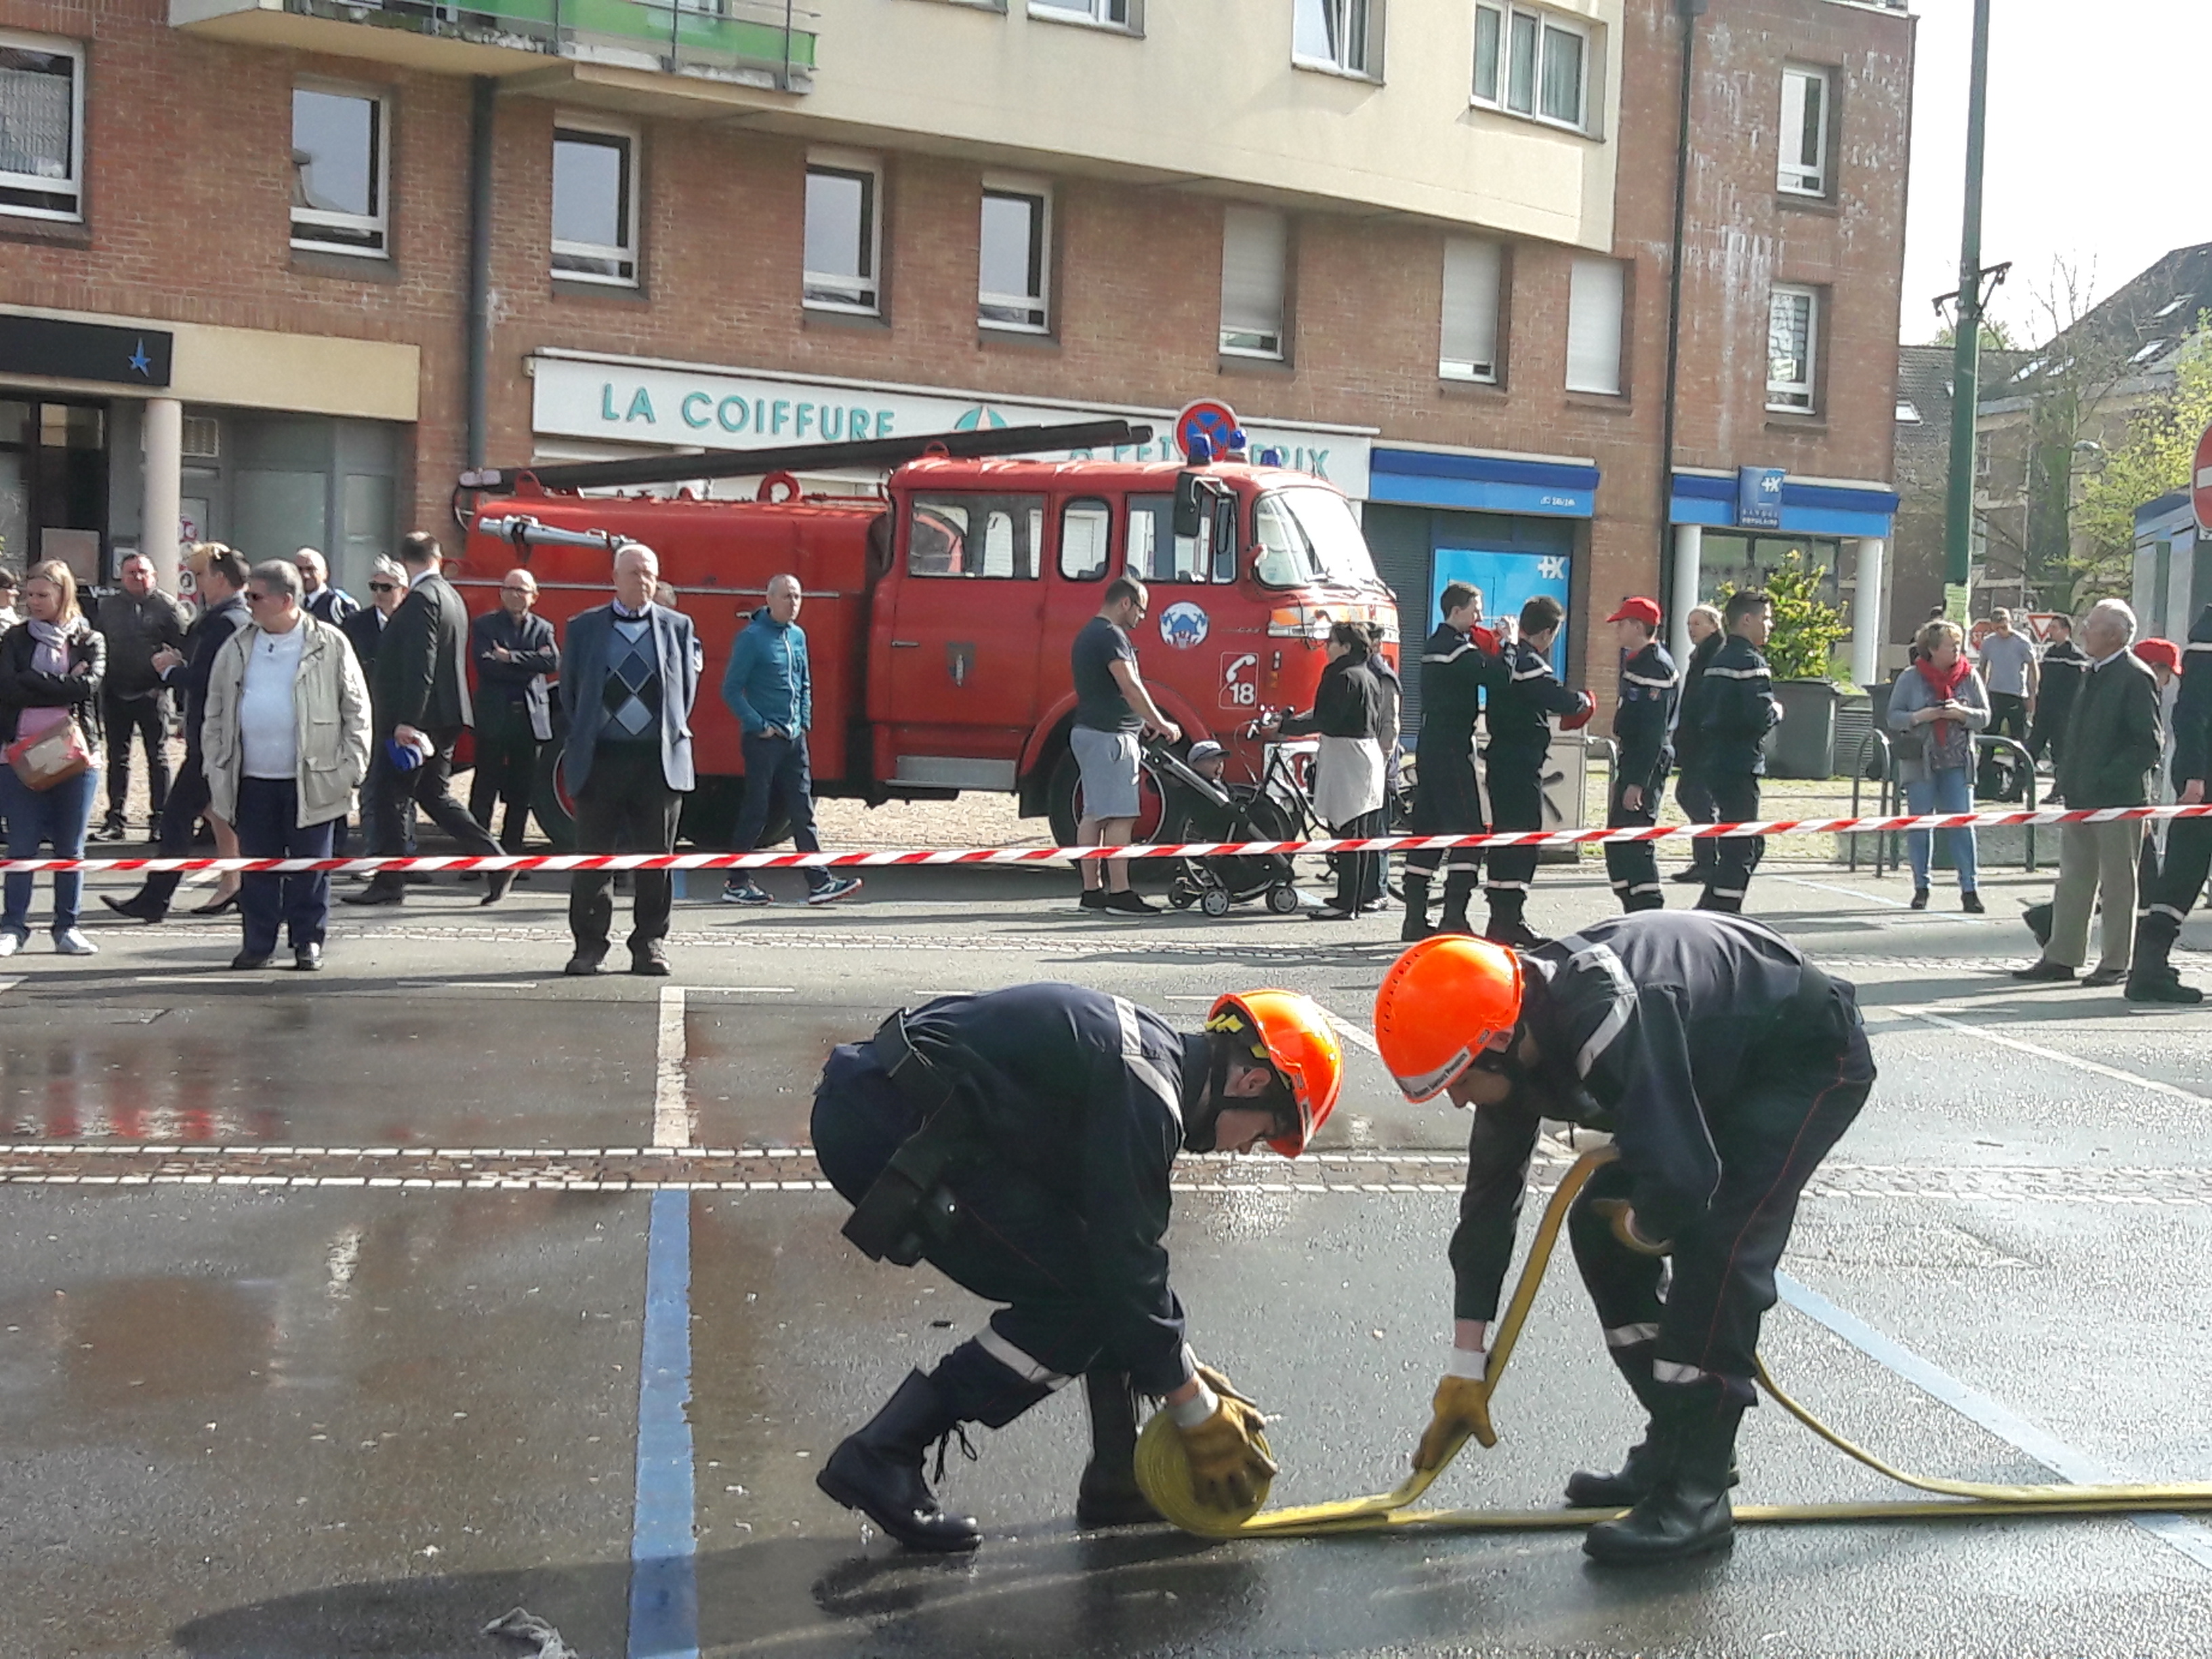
{"x": 314, "y": 302}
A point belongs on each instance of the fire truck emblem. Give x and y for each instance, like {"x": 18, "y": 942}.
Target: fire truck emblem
{"x": 1183, "y": 625}
{"x": 959, "y": 661}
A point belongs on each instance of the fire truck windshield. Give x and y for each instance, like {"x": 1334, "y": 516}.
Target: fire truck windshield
{"x": 1310, "y": 537}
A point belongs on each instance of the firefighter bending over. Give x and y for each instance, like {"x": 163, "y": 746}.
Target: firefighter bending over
{"x": 1726, "y": 1066}
{"x": 1021, "y": 1141}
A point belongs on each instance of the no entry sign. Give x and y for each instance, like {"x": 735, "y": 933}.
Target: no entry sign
{"x": 2201, "y": 479}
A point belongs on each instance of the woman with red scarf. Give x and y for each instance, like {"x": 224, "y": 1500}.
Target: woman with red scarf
{"x": 1938, "y": 705}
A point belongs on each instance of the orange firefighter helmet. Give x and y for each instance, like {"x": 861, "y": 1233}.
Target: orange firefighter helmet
{"x": 1292, "y": 1034}
{"x": 1440, "y": 1006}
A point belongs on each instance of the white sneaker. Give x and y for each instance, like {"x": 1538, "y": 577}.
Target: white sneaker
{"x": 11, "y": 941}
{"x": 71, "y": 942}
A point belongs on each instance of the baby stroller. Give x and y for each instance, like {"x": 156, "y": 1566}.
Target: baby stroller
{"x": 1198, "y": 808}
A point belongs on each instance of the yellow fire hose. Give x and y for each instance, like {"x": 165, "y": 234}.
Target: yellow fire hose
{"x": 1164, "y": 1475}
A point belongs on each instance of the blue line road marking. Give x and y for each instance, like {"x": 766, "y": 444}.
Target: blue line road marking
{"x": 2191, "y": 1537}
{"x": 664, "y": 1585}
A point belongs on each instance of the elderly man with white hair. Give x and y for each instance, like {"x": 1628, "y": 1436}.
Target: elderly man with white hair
{"x": 321, "y": 601}
{"x": 2113, "y": 741}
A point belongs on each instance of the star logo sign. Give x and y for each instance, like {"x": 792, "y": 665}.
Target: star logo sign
{"x": 140, "y": 364}
{"x": 1552, "y": 569}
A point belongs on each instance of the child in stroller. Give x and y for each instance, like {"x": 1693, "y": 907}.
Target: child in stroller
{"x": 1203, "y": 805}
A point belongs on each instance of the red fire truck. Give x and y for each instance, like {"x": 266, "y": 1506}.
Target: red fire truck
{"x": 940, "y": 608}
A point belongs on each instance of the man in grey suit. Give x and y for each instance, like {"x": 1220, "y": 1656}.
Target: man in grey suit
{"x": 419, "y": 689}
{"x": 629, "y": 673}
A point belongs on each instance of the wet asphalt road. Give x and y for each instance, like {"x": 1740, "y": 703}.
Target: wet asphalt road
{"x": 324, "y": 1305}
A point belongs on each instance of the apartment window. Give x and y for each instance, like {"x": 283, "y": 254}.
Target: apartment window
{"x": 844, "y": 234}
{"x": 1472, "y": 271}
{"x": 1017, "y": 235}
{"x": 1594, "y": 294}
{"x": 1255, "y": 248}
{"x": 1793, "y": 325}
{"x": 340, "y": 154}
{"x": 594, "y": 203}
{"x": 1804, "y": 131}
{"x": 1107, "y": 14}
{"x": 41, "y": 127}
{"x": 1345, "y": 35}
{"x": 1532, "y": 63}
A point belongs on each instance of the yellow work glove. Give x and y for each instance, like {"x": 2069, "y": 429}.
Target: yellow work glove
{"x": 1227, "y": 1463}
{"x": 1461, "y": 1408}
{"x": 1622, "y": 1216}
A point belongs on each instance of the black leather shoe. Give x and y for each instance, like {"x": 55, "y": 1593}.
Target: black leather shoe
{"x": 308, "y": 959}
{"x": 1686, "y": 1511}
{"x": 246, "y": 961}
{"x": 1971, "y": 902}
{"x": 384, "y": 889}
{"x": 1108, "y": 1495}
{"x": 1692, "y": 877}
{"x": 496, "y": 882}
{"x": 2041, "y": 972}
{"x": 138, "y": 907}
{"x": 878, "y": 1471}
{"x": 584, "y": 964}
{"x": 650, "y": 961}
{"x": 2103, "y": 978}
{"x": 1515, "y": 936}
{"x": 1919, "y": 898}
{"x": 1633, "y": 1481}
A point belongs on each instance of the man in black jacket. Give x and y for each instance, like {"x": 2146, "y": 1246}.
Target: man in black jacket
{"x": 2059, "y": 684}
{"x": 2152, "y": 976}
{"x": 222, "y": 579}
{"x": 1736, "y": 710}
{"x": 137, "y": 620}
{"x": 1643, "y": 726}
{"x": 1726, "y": 1066}
{"x": 1023, "y": 1141}
{"x": 1520, "y": 720}
{"x": 513, "y": 651}
{"x": 420, "y": 689}
{"x": 1691, "y": 793}
{"x": 1459, "y": 663}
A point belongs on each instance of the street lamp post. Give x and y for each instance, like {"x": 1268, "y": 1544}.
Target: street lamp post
{"x": 1966, "y": 348}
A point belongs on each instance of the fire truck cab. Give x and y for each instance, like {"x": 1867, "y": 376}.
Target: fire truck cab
{"x": 940, "y": 611}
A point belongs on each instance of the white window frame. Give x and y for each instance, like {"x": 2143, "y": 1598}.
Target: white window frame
{"x": 1040, "y": 193}
{"x": 633, "y": 175}
{"x": 1588, "y": 269}
{"x": 1499, "y": 95}
{"x": 1795, "y": 397}
{"x": 377, "y": 224}
{"x": 1794, "y": 176}
{"x": 866, "y": 296}
{"x": 1473, "y": 253}
{"x": 1369, "y": 14}
{"x": 33, "y": 183}
{"x": 1275, "y": 353}
{"x": 1092, "y": 13}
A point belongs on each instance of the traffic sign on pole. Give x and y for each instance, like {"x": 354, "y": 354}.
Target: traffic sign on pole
{"x": 2201, "y": 480}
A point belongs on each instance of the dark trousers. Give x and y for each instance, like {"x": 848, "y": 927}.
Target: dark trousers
{"x": 2177, "y": 882}
{"x": 2048, "y": 735}
{"x": 1447, "y": 802}
{"x": 778, "y": 773}
{"x": 1735, "y": 800}
{"x": 625, "y": 806}
{"x": 145, "y": 719}
{"x": 2008, "y": 716}
{"x": 1012, "y": 1242}
{"x": 1792, "y": 1109}
{"x": 429, "y": 787}
{"x": 1517, "y": 802}
{"x": 1360, "y": 875}
{"x": 188, "y": 800}
{"x": 268, "y": 828}
{"x": 1695, "y": 797}
{"x": 1632, "y": 867}
{"x": 506, "y": 773}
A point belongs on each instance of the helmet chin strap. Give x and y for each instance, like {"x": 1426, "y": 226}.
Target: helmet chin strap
{"x": 1202, "y": 1118}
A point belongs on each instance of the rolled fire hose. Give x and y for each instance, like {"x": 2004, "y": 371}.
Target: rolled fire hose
{"x": 1165, "y": 1475}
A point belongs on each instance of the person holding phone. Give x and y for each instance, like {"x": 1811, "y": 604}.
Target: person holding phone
{"x": 1936, "y": 707}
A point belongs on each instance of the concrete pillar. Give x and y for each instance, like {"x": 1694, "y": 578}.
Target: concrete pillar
{"x": 164, "y": 494}
{"x": 1866, "y": 614}
{"x": 1689, "y": 564}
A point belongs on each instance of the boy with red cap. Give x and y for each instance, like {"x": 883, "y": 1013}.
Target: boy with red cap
{"x": 1643, "y": 726}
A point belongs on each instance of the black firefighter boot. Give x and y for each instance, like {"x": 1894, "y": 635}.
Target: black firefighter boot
{"x": 1506, "y": 926}
{"x": 878, "y": 1471}
{"x": 1109, "y": 1495}
{"x": 2152, "y": 978}
{"x": 1416, "y": 925}
{"x": 1686, "y": 1512}
{"x": 1640, "y": 1471}
{"x": 1459, "y": 889}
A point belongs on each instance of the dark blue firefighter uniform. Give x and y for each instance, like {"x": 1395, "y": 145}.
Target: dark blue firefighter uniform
{"x": 1643, "y": 726}
{"x": 1519, "y": 741}
{"x": 1455, "y": 670}
{"x": 1736, "y": 710}
{"x": 2171, "y": 897}
{"x": 1726, "y": 1067}
{"x": 1078, "y": 1099}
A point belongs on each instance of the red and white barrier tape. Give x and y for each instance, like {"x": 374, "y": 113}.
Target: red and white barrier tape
{"x": 564, "y": 862}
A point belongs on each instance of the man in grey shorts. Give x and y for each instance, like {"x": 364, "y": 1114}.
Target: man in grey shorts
{"x": 1112, "y": 708}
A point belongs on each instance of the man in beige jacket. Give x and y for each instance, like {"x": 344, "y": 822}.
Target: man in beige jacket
{"x": 286, "y": 741}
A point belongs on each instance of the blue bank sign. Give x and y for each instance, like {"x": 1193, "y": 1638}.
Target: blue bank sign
{"x": 684, "y": 408}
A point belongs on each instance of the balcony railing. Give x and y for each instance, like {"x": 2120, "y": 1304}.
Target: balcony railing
{"x": 757, "y": 42}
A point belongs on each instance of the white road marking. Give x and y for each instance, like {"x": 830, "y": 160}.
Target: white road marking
{"x": 743, "y": 990}
{"x": 1984, "y": 1033}
{"x": 1356, "y": 1036}
{"x": 1848, "y": 892}
{"x": 7, "y": 985}
{"x": 671, "y": 1114}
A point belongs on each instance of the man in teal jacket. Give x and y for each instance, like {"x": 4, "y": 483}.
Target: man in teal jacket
{"x": 768, "y": 687}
